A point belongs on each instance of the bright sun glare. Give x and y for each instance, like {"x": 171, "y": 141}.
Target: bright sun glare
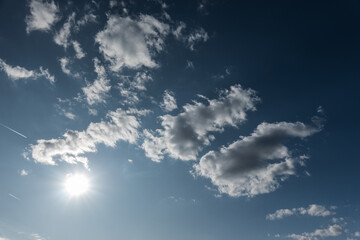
{"x": 76, "y": 184}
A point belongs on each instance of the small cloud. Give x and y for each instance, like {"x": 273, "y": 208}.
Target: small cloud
{"x": 78, "y": 50}
{"x": 189, "y": 64}
{"x": 130, "y": 160}
{"x": 314, "y": 210}
{"x": 43, "y": 15}
{"x": 17, "y": 72}
{"x": 23, "y": 172}
{"x": 320, "y": 109}
{"x": 169, "y": 101}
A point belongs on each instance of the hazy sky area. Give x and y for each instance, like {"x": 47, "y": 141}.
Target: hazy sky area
{"x": 179, "y": 120}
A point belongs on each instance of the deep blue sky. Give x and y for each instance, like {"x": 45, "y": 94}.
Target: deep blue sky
{"x": 182, "y": 110}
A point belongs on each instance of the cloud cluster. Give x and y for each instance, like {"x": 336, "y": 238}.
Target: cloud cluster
{"x": 43, "y": 15}
{"x": 312, "y": 210}
{"x": 332, "y": 231}
{"x": 131, "y": 43}
{"x": 17, "y": 72}
{"x": 119, "y": 125}
{"x": 256, "y": 163}
{"x": 169, "y": 101}
{"x": 185, "y": 134}
{"x": 96, "y": 92}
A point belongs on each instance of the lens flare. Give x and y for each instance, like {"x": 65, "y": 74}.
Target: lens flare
{"x": 76, "y": 184}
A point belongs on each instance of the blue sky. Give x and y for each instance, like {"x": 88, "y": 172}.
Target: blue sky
{"x": 182, "y": 120}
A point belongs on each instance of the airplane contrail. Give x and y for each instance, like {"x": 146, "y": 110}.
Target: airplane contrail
{"x": 13, "y": 197}
{"x": 13, "y": 130}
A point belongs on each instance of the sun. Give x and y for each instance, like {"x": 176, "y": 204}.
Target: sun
{"x": 76, "y": 184}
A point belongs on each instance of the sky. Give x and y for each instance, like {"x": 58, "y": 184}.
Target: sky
{"x": 158, "y": 120}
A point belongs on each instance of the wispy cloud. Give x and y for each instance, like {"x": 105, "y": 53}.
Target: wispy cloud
{"x": 17, "y": 72}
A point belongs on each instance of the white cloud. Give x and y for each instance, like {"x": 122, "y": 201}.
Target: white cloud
{"x": 69, "y": 115}
{"x": 332, "y": 231}
{"x": 199, "y": 35}
{"x": 130, "y": 43}
{"x": 312, "y": 210}
{"x": 78, "y": 50}
{"x": 256, "y": 163}
{"x": 62, "y": 37}
{"x": 189, "y": 65}
{"x": 184, "y": 135}
{"x": 17, "y": 72}
{"x": 190, "y": 38}
{"x": 23, "y": 172}
{"x": 169, "y": 101}
{"x": 43, "y": 14}
{"x": 357, "y": 234}
{"x": 96, "y": 92}
{"x": 64, "y": 62}
{"x": 37, "y": 236}
{"x": 178, "y": 32}
{"x": 89, "y": 17}
{"x": 119, "y": 125}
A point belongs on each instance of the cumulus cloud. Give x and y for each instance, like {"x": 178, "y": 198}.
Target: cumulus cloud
{"x": 169, "y": 101}
{"x": 43, "y": 15}
{"x": 185, "y": 134}
{"x": 96, "y": 92}
{"x": 332, "y": 231}
{"x": 71, "y": 147}
{"x": 312, "y": 210}
{"x": 256, "y": 163}
{"x": 131, "y": 43}
{"x": 62, "y": 37}
{"x": 17, "y": 72}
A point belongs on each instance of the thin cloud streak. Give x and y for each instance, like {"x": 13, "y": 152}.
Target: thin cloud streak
{"x": 13, "y": 196}
{"x": 13, "y": 130}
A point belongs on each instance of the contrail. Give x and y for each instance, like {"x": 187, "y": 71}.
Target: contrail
{"x": 13, "y": 197}
{"x": 13, "y": 130}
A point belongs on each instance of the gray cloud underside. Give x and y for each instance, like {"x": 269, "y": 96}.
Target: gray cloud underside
{"x": 185, "y": 134}
{"x": 255, "y": 164}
